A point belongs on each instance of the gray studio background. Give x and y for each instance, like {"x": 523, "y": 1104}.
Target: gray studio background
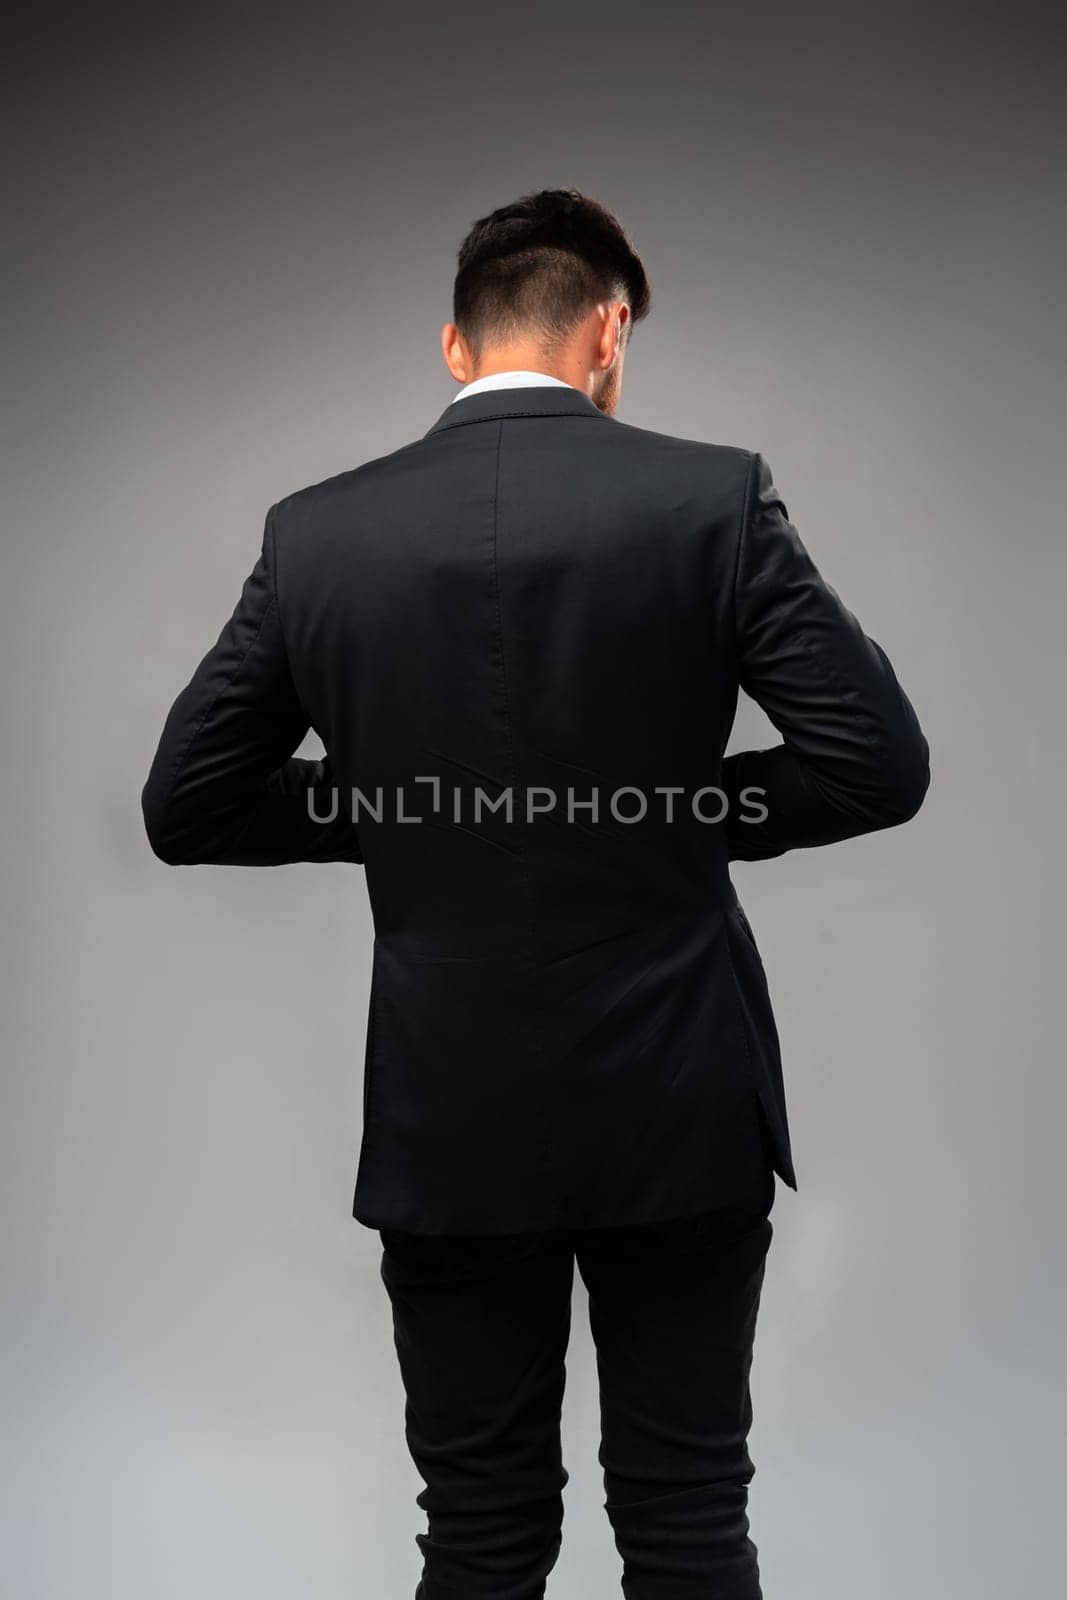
{"x": 230, "y": 251}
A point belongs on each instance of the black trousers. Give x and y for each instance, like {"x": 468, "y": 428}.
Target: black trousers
{"x": 481, "y": 1326}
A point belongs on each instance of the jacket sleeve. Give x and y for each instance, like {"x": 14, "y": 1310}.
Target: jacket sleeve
{"x": 224, "y": 786}
{"x": 853, "y": 758}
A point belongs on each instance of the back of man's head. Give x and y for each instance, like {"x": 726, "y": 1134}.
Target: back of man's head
{"x": 530, "y": 271}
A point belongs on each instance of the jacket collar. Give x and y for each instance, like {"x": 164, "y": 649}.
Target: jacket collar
{"x": 531, "y": 400}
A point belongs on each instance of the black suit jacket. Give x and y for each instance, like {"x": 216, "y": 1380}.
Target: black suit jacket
{"x": 569, "y": 1020}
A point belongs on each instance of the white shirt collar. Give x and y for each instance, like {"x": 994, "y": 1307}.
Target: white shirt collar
{"x": 508, "y": 380}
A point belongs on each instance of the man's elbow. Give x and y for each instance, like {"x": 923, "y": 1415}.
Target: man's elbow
{"x": 907, "y": 785}
{"x": 163, "y": 837}
{"x": 165, "y": 847}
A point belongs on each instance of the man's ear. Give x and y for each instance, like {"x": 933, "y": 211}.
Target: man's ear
{"x": 455, "y": 353}
{"x": 622, "y": 325}
{"x": 613, "y": 331}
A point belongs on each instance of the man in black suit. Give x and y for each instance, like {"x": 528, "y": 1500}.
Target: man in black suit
{"x": 521, "y": 639}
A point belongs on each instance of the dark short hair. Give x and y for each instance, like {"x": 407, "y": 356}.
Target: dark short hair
{"x": 541, "y": 264}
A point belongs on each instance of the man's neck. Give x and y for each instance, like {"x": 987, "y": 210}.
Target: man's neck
{"x": 519, "y": 360}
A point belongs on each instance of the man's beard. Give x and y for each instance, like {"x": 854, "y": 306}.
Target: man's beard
{"x": 606, "y": 398}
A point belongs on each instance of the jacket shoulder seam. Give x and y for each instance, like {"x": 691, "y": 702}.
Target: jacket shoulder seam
{"x": 746, "y": 505}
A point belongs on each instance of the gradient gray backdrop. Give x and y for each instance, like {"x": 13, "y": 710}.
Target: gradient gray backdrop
{"x": 231, "y": 251}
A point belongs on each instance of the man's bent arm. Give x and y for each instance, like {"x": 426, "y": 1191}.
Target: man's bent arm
{"x": 853, "y": 757}
{"x": 224, "y": 786}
